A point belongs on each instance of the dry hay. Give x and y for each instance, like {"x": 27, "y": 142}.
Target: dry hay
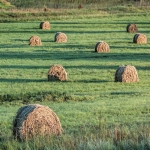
{"x": 80, "y": 6}
{"x": 140, "y": 38}
{"x": 35, "y": 41}
{"x": 126, "y": 74}
{"x": 35, "y": 119}
{"x": 45, "y": 25}
{"x": 60, "y": 37}
{"x": 132, "y": 28}
{"x": 102, "y": 47}
{"x": 57, "y": 72}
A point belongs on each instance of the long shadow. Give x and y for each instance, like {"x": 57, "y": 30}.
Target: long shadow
{"x": 135, "y": 46}
{"x": 91, "y": 81}
{"x": 27, "y": 31}
{"x": 72, "y": 55}
{"x": 124, "y": 93}
{"x": 100, "y": 31}
{"x": 14, "y": 45}
{"x": 21, "y": 80}
{"x": 23, "y": 67}
{"x": 63, "y": 30}
{"x": 143, "y": 67}
{"x": 89, "y": 66}
{"x": 45, "y": 80}
{"x": 66, "y": 67}
{"x": 67, "y": 45}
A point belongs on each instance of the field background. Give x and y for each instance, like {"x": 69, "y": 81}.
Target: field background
{"x": 95, "y": 112}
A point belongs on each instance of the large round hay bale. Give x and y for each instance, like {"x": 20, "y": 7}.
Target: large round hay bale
{"x": 102, "y": 47}
{"x": 35, "y": 41}
{"x": 132, "y": 28}
{"x": 35, "y": 119}
{"x": 57, "y": 72}
{"x": 45, "y": 25}
{"x": 60, "y": 37}
{"x": 140, "y": 38}
{"x": 126, "y": 74}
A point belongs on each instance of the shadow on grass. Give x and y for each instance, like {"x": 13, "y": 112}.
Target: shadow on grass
{"x": 75, "y": 31}
{"x": 22, "y": 80}
{"x": 45, "y": 80}
{"x": 91, "y": 81}
{"x": 125, "y": 93}
{"x": 75, "y": 55}
{"x": 15, "y": 45}
{"x": 66, "y": 67}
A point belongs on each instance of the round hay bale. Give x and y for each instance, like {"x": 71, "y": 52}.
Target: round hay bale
{"x": 126, "y": 74}
{"x": 102, "y": 47}
{"x": 140, "y": 38}
{"x": 32, "y": 120}
{"x": 132, "y": 28}
{"x": 60, "y": 37}
{"x": 80, "y": 6}
{"x": 57, "y": 72}
{"x": 35, "y": 41}
{"x": 45, "y": 25}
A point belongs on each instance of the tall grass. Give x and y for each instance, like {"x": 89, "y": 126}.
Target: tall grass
{"x": 61, "y": 3}
{"x": 114, "y": 138}
{"x": 75, "y": 3}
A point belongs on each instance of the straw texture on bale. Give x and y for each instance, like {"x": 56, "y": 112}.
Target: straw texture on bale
{"x": 35, "y": 41}
{"x": 57, "y": 72}
{"x": 140, "y": 38}
{"x": 132, "y": 28}
{"x": 35, "y": 119}
{"x": 45, "y": 25}
{"x": 60, "y": 37}
{"x": 126, "y": 74}
{"x": 102, "y": 47}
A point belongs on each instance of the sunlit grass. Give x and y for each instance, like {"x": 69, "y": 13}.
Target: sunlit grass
{"x": 98, "y": 113}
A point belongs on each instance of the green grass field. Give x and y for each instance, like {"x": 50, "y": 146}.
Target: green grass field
{"x": 95, "y": 112}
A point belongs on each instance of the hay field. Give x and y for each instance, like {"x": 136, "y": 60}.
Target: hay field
{"x": 105, "y": 103}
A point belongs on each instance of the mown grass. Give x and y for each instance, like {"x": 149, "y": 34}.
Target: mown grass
{"x": 95, "y": 112}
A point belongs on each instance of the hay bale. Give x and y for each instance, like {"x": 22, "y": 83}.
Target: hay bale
{"x": 140, "y": 38}
{"x": 102, "y": 47}
{"x": 126, "y": 74}
{"x": 45, "y": 25}
{"x": 80, "y": 6}
{"x": 57, "y": 72}
{"x": 132, "y": 28}
{"x": 35, "y": 119}
{"x": 35, "y": 41}
{"x": 60, "y": 37}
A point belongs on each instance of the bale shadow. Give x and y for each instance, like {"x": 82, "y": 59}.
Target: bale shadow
{"x": 90, "y": 81}
{"x": 23, "y": 67}
{"x": 22, "y": 80}
{"x": 124, "y": 93}
{"x": 76, "y": 55}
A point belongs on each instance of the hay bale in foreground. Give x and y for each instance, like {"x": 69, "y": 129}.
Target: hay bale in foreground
{"x": 140, "y": 38}
{"x": 57, "y": 72}
{"x": 35, "y": 41}
{"x": 60, "y": 37}
{"x": 45, "y": 25}
{"x": 35, "y": 119}
{"x": 132, "y": 28}
{"x": 102, "y": 47}
{"x": 126, "y": 74}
